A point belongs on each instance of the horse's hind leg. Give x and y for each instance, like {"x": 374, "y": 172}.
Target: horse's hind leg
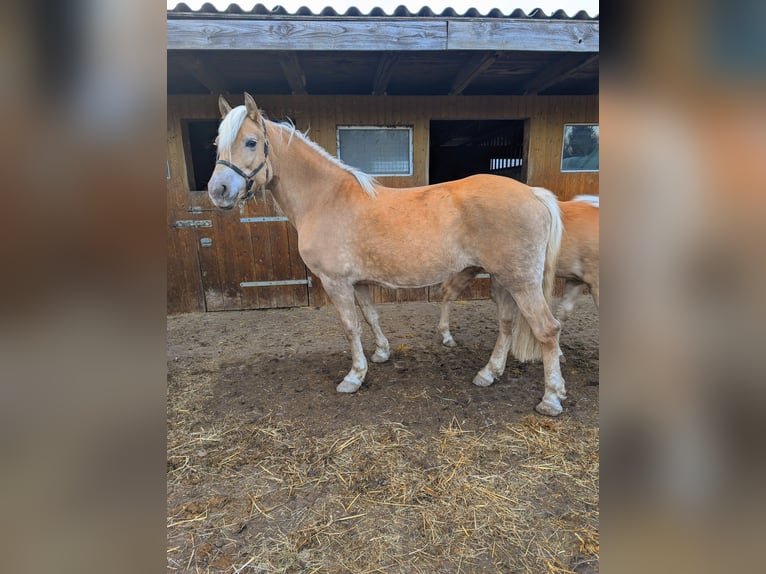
{"x": 506, "y": 310}
{"x": 572, "y": 290}
{"x": 382, "y": 350}
{"x": 532, "y": 305}
{"x": 451, "y": 290}
{"x": 342, "y": 296}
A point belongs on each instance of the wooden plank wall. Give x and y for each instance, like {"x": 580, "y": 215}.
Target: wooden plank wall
{"x": 319, "y": 115}
{"x": 184, "y": 285}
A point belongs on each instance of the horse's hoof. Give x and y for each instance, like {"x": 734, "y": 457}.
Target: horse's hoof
{"x": 483, "y": 379}
{"x": 551, "y": 408}
{"x": 449, "y": 342}
{"x": 346, "y": 386}
{"x": 380, "y": 356}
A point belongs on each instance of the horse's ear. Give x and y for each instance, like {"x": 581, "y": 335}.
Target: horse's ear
{"x": 252, "y": 109}
{"x": 223, "y": 106}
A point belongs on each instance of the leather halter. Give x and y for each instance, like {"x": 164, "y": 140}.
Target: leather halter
{"x": 248, "y": 177}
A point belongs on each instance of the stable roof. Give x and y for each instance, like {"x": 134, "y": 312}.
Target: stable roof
{"x": 400, "y": 53}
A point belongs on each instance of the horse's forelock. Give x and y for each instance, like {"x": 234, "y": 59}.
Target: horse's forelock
{"x": 229, "y": 128}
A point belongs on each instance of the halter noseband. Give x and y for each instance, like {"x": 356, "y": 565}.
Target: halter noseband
{"x": 249, "y": 177}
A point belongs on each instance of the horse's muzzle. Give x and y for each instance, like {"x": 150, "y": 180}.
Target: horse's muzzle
{"x": 223, "y": 193}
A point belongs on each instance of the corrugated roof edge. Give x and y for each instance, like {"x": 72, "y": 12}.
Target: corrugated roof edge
{"x": 400, "y": 12}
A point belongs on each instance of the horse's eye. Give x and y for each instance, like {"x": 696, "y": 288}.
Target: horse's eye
{"x": 251, "y": 143}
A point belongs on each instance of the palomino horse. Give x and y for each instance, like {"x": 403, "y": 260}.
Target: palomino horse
{"x": 353, "y": 232}
{"x": 577, "y": 264}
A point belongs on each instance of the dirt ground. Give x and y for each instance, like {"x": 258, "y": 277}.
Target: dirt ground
{"x": 271, "y": 470}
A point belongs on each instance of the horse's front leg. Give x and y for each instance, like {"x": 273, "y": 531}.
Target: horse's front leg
{"x": 342, "y": 296}
{"x": 382, "y": 349}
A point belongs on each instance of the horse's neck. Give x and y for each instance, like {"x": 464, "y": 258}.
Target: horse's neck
{"x": 304, "y": 179}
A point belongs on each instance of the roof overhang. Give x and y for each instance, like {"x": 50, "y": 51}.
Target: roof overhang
{"x": 435, "y": 55}
{"x": 372, "y": 35}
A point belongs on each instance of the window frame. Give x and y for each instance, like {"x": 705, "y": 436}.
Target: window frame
{"x": 410, "y": 145}
{"x": 563, "y": 140}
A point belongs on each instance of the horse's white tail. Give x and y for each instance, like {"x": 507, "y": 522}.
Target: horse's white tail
{"x": 524, "y": 345}
{"x": 591, "y": 199}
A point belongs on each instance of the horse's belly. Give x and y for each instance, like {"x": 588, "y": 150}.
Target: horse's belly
{"x": 405, "y": 282}
{"x": 410, "y": 270}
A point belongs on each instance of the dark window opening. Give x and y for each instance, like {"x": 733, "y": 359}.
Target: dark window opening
{"x": 199, "y": 148}
{"x": 459, "y": 148}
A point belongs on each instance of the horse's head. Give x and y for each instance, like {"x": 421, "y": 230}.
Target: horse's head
{"x": 243, "y": 154}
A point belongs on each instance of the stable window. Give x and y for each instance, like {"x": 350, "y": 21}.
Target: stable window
{"x": 376, "y": 150}
{"x": 579, "y": 151}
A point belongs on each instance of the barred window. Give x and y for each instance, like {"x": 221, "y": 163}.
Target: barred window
{"x": 376, "y": 150}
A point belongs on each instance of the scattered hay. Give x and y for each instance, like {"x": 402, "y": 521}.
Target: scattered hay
{"x": 518, "y": 497}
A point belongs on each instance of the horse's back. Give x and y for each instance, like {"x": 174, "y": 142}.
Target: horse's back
{"x": 476, "y": 201}
{"x": 484, "y": 188}
{"x": 481, "y": 188}
{"x": 580, "y": 218}
{"x": 591, "y": 199}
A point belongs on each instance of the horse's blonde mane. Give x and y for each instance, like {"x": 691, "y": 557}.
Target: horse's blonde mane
{"x": 231, "y": 124}
{"x": 366, "y": 181}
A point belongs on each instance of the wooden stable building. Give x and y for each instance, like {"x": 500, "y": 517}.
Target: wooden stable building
{"x": 410, "y": 98}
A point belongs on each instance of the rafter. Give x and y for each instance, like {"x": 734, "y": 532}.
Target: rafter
{"x": 293, "y": 72}
{"x": 383, "y": 73}
{"x": 204, "y": 74}
{"x": 557, "y": 72}
{"x": 475, "y": 65}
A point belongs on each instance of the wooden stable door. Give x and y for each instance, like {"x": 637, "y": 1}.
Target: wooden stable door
{"x": 248, "y": 259}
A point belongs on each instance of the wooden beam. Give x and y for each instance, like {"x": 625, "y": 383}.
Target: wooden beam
{"x": 528, "y": 35}
{"x": 557, "y": 72}
{"x": 205, "y": 75}
{"x": 321, "y": 35}
{"x": 475, "y": 65}
{"x": 383, "y": 73}
{"x": 293, "y": 72}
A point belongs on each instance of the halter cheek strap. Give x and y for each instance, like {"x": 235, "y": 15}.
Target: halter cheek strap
{"x": 248, "y": 177}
